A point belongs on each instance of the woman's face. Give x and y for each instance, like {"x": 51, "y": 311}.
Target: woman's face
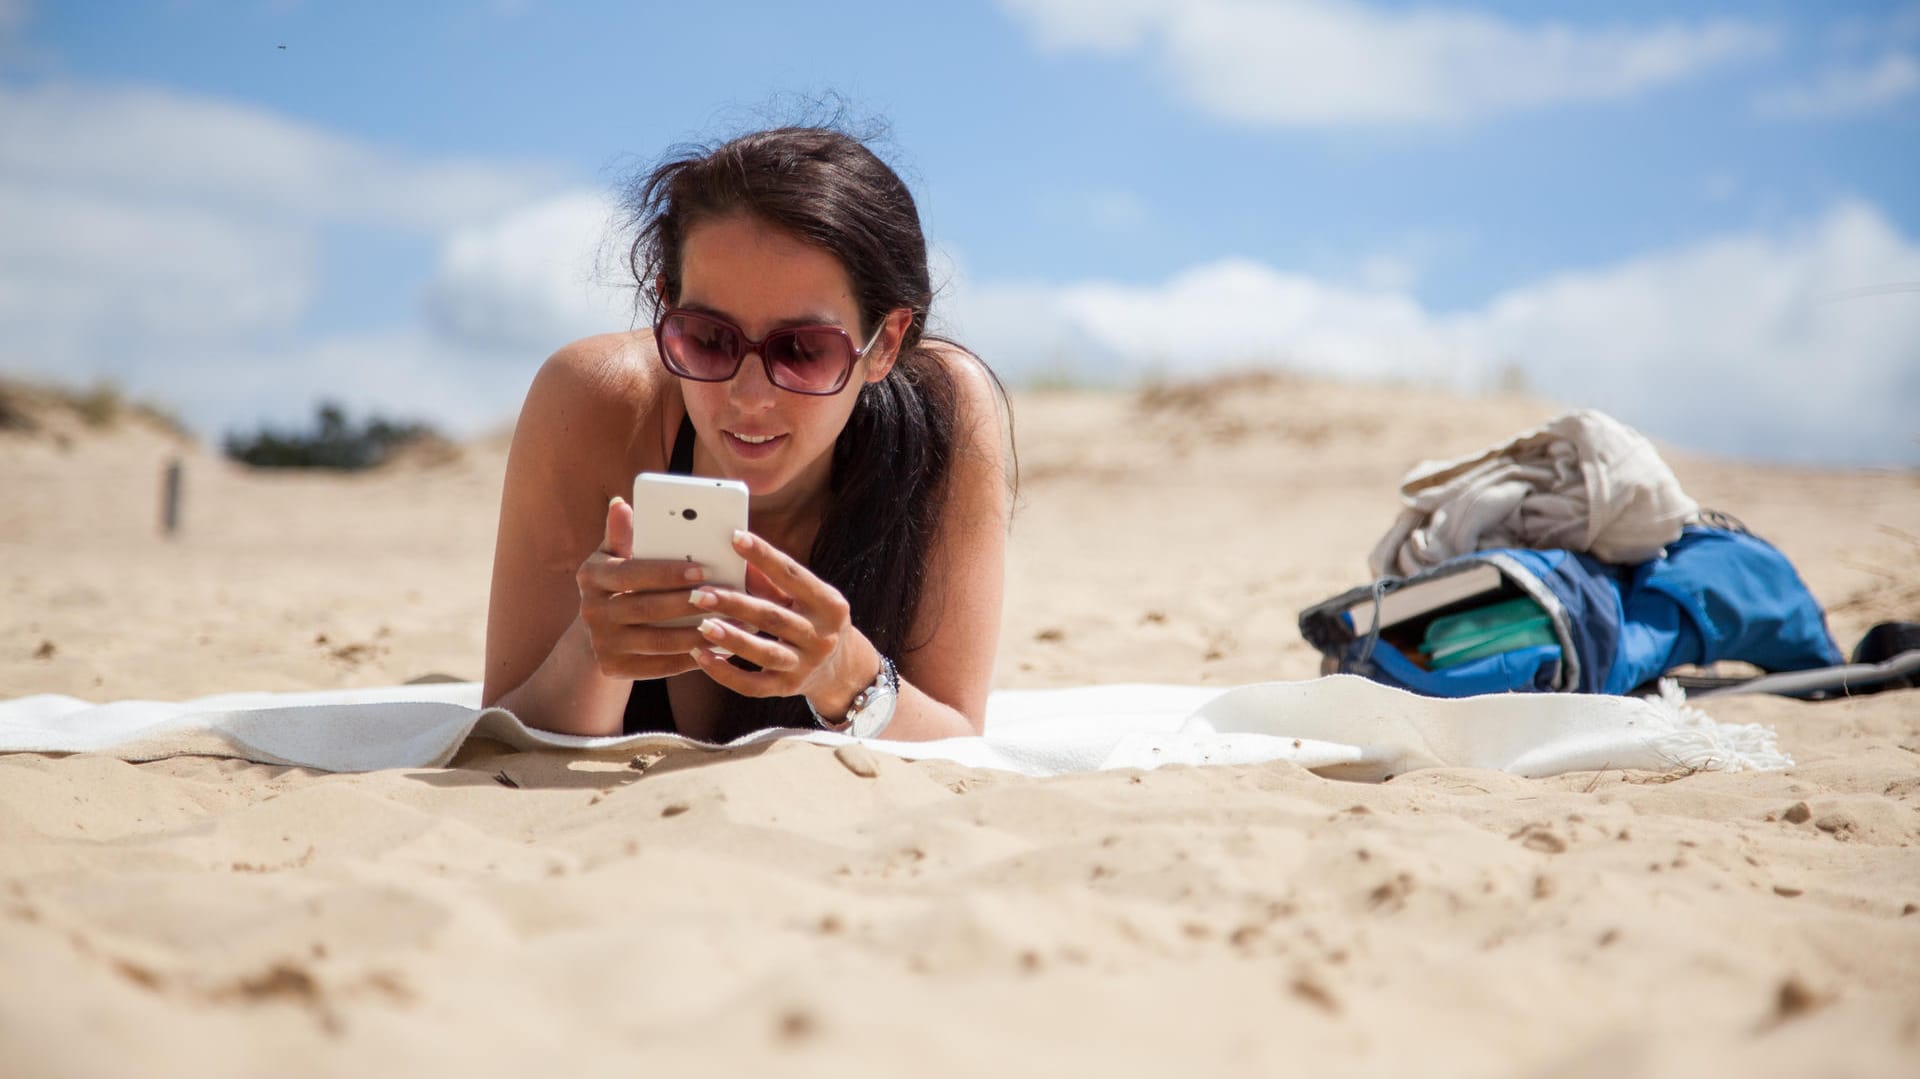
{"x": 761, "y": 278}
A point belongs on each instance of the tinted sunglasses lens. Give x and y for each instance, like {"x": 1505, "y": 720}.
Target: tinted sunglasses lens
{"x": 700, "y": 348}
{"x": 809, "y": 360}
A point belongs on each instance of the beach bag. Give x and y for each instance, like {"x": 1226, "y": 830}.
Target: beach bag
{"x": 1522, "y": 620}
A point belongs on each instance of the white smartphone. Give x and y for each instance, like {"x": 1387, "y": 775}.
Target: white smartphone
{"x": 691, "y": 519}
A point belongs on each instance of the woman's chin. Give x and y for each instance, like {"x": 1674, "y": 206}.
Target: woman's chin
{"x": 761, "y": 486}
{"x": 762, "y": 477}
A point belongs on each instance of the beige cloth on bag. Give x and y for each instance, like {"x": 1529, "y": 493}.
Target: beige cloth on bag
{"x": 1584, "y": 481}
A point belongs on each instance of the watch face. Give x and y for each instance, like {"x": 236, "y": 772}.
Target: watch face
{"x": 874, "y": 711}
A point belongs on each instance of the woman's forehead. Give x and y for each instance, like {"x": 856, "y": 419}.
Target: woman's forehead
{"x": 746, "y": 269}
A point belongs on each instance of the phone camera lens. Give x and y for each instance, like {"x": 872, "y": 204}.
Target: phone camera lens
{"x": 688, "y": 513}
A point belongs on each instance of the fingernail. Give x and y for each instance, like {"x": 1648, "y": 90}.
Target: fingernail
{"x": 693, "y": 572}
{"x": 711, "y": 629}
{"x": 700, "y": 597}
{"x": 698, "y": 654}
{"x": 614, "y": 501}
{"x": 740, "y": 538}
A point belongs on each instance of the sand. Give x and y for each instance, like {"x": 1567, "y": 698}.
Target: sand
{"x": 776, "y": 910}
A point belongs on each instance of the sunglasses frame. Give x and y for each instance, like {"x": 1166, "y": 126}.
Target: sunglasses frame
{"x": 758, "y": 348}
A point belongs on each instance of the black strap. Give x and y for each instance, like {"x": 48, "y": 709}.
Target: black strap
{"x": 682, "y": 462}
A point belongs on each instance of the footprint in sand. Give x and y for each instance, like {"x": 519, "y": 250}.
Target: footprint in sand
{"x": 1541, "y": 838}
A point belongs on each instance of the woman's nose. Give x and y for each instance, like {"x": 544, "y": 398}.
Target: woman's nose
{"x": 750, "y": 389}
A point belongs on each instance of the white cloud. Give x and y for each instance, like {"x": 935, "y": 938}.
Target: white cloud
{"x": 402, "y": 374}
{"x": 536, "y": 278}
{"x": 1774, "y": 345}
{"x": 1847, "y": 90}
{"x": 1751, "y": 344}
{"x": 174, "y": 243}
{"x": 151, "y": 145}
{"x": 1111, "y": 26}
{"x": 92, "y": 282}
{"x": 1388, "y": 273}
{"x": 1324, "y": 62}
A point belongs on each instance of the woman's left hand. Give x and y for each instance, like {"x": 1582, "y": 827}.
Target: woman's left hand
{"x": 811, "y": 648}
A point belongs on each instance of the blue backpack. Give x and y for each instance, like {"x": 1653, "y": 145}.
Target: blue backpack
{"x": 1718, "y": 594}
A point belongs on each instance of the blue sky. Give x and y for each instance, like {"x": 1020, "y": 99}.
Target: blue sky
{"x": 1702, "y": 217}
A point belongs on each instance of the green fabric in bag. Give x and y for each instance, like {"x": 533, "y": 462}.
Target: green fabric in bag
{"x": 1486, "y": 631}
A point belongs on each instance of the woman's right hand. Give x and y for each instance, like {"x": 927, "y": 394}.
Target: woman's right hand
{"x": 623, "y": 599}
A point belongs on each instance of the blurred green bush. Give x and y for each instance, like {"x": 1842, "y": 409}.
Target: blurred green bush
{"x": 334, "y": 441}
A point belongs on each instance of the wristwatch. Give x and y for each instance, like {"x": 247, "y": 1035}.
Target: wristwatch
{"x": 872, "y": 707}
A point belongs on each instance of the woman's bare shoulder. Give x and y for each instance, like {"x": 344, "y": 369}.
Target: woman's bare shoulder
{"x": 977, "y": 389}
{"x": 596, "y": 389}
{"x": 609, "y": 370}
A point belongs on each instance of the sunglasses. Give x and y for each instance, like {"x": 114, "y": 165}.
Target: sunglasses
{"x": 814, "y": 360}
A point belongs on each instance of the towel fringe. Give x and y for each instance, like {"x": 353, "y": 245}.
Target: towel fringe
{"x": 1694, "y": 740}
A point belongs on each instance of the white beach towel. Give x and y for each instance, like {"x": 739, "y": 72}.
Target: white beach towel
{"x": 1583, "y": 481}
{"x": 1340, "y": 726}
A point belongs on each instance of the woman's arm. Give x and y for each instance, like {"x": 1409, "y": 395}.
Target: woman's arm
{"x": 573, "y": 450}
{"x": 944, "y": 683}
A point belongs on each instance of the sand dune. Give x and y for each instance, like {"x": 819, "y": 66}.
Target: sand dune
{"x": 770, "y": 909}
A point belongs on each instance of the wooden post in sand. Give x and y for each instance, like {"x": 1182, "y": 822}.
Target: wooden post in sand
{"x": 170, "y": 499}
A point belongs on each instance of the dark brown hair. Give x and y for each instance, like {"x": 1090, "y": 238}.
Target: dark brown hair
{"x": 891, "y": 461}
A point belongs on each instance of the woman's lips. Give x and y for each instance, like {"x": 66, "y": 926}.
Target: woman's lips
{"x": 754, "y": 447}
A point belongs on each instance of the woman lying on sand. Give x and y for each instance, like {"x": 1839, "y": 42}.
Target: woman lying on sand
{"x": 789, "y": 278}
